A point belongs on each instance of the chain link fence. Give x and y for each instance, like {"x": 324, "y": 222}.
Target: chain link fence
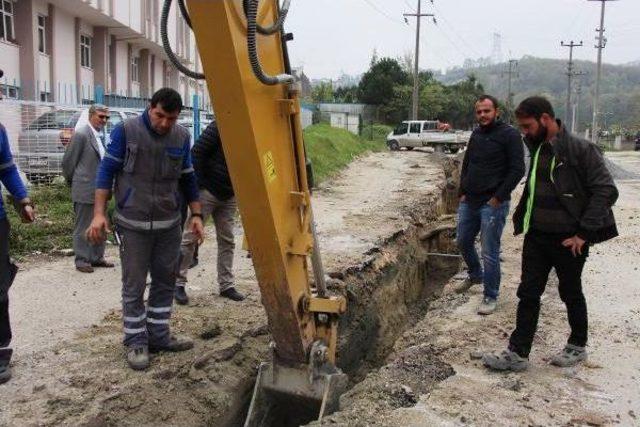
{"x": 39, "y": 131}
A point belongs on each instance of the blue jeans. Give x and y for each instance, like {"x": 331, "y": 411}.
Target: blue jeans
{"x": 489, "y": 222}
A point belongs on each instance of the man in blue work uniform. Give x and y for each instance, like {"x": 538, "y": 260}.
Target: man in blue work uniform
{"x": 492, "y": 167}
{"x": 11, "y": 180}
{"x": 149, "y": 157}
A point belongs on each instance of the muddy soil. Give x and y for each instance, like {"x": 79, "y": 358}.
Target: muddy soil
{"x": 69, "y": 367}
{"x": 409, "y": 345}
{"x": 604, "y": 391}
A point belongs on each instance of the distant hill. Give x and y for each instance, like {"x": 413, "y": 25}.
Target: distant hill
{"x": 620, "y": 89}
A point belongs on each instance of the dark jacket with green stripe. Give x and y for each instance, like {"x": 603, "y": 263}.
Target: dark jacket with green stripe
{"x": 583, "y": 185}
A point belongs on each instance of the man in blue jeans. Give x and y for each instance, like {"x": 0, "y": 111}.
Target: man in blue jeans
{"x": 493, "y": 165}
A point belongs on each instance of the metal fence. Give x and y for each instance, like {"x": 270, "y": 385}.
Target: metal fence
{"x": 40, "y": 131}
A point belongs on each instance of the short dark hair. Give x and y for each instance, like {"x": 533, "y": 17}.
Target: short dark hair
{"x": 491, "y": 98}
{"x": 168, "y": 98}
{"x": 534, "y": 106}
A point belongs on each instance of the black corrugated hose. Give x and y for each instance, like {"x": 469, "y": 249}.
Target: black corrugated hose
{"x": 167, "y": 46}
{"x": 252, "y": 29}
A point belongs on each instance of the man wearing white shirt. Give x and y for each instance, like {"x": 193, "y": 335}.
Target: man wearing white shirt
{"x": 79, "y": 167}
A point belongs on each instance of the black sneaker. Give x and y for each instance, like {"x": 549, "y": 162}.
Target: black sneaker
{"x": 175, "y": 344}
{"x": 5, "y": 373}
{"x": 232, "y": 294}
{"x": 180, "y": 295}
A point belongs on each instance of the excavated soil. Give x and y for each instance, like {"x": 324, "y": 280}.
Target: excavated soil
{"x": 378, "y": 222}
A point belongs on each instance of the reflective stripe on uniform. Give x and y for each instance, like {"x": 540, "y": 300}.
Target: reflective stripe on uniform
{"x": 188, "y": 170}
{"x": 147, "y": 225}
{"x": 158, "y": 321}
{"x": 160, "y": 309}
{"x": 134, "y": 331}
{"x": 135, "y": 319}
{"x": 8, "y": 164}
{"x": 112, "y": 157}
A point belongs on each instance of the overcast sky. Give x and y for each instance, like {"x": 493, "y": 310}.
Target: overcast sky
{"x": 334, "y": 36}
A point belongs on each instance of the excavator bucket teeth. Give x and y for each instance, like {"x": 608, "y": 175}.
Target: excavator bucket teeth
{"x": 290, "y": 396}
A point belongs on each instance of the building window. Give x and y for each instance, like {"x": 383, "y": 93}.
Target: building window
{"x": 135, "y": 69}
{"x": 45, "y": 96}
{"x": 9, "y": 92}
{"x": 6, "y": 23}
{"x": 85, "y": 51}
{"x": 42, "y": 41}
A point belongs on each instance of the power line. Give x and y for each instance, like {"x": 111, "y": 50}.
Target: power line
{"x": 457, "y": 33}
{"x": 382, "y": 12}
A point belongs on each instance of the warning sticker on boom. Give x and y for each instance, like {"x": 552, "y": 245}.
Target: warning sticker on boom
{"x": 269, "y": 167}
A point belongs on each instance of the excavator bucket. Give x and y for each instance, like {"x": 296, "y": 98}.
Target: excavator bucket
{"x": 293, "y": 396}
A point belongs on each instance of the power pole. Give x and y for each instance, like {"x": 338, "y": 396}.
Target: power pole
{"x": 570, "y": 74}
{"x": 513, "y": 71}
{"x": 416, "y": 67}
{"x": 602, "y": 41}
{"x": 576, "y": 108}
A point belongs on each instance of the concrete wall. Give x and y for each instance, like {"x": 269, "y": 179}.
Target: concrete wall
{"x": 10, "y": 54}
{"x": 64, "y": 50}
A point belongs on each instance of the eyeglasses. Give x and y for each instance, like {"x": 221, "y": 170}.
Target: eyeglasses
{"x": 103, "y": 117}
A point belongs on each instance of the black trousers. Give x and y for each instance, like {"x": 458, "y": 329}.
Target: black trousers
{"x": 7, "y": 274}
{"x": 540, "y": 253}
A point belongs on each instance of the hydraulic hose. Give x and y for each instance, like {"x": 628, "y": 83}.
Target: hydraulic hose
{"x": 185, "y": 13}
{"x": 277, "y": 26}
{"x": 164, "y": 18}
{"x": 252, "y": 29}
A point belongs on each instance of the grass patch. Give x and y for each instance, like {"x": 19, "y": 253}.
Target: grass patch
{"x": 53, "y": 228}
{"x": 331, "y": 149}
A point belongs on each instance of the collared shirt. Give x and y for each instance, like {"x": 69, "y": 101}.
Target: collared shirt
{"x": 100, "y": 138}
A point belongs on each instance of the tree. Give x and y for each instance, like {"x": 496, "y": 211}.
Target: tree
{"x": 322, "y": 92}
{"x": 347, "y": 95}
{"x": 433, "y": 101}
{"x": 377, "y": 84}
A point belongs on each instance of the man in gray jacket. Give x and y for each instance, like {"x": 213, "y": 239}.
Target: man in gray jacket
{"x": 79, "y": 167}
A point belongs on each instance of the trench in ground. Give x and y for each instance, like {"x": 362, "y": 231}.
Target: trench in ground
{"x": 386, "y": 295}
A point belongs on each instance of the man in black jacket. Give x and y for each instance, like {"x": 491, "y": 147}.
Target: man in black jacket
{"x": 218, "y": 200}
{"x": 492, "y": 167}
{"x": 566, "y": 207}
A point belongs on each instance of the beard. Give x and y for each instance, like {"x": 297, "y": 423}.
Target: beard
{"x": 540, "y": 136}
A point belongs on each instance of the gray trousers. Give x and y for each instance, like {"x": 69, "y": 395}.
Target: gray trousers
{"x": 223, "y": 213}
{"x": 86, "y": 253}
{"x": 156, "y": 253}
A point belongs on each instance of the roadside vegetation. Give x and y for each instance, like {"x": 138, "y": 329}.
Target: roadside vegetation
{"x": 329, "y": 149}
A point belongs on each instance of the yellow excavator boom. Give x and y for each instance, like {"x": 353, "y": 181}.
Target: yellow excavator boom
{"x": 258, "y": 114}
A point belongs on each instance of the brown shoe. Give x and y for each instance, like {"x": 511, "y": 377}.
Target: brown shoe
{"x": 85, "y": 268}
{"x": 103, "y": 263}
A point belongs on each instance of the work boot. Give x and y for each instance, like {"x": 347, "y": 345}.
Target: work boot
{"x": 85, "y": 268}
{"x": 103, "y": 263}
{"x": 174, "y": 345}
{"x": 232, "y": 294}
{"x": 487, "y": 306}
{"x": 467, "y": 283}
{"x": 180, "y": 295}
{"x": 5, "y": 372}
{"x": 507, "y": 360}
{"x": 138, "y": 357}
{"x": 570, "y": 355}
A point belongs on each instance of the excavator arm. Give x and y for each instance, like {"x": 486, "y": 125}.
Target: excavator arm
{"x": 243, "y": 50}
